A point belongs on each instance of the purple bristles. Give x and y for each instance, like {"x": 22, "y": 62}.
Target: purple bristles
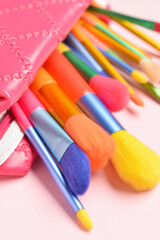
{"x": 76, "y": 169}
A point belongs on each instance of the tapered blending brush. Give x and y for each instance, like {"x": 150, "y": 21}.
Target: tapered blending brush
{"x": 112, "y": 93}
{"x": 73, "y": 161}
{"x": 149, "y": 67}
{"x": 152, "y": 25}
{"x": 52, "y": 167}
{"x": 89, "y": 136}
{"x": 78, "y": 32}
{"x": 135, "y": 163}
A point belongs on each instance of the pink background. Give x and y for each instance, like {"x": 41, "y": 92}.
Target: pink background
{"x": 32, "y": 207}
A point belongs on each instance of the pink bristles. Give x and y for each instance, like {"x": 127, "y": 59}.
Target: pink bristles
{"x": 111, "y": 92}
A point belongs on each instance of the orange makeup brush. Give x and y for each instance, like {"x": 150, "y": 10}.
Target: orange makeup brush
{"x": 90, "y": 137}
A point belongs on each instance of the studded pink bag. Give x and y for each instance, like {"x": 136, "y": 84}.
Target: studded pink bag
{"x": 29, "y": 32}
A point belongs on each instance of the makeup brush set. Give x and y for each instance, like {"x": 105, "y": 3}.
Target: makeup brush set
{"x": 63, "y": 96}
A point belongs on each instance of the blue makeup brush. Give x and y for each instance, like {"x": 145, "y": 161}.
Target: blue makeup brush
{"x": 73, "y": 161}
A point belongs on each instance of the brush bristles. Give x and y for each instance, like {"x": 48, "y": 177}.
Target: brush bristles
{"x": 151, "y": 69}
{"x": 76, "y": 169}
{"x": 135, "y": 163}
{"x": 91, "y": 138}
{"x": 111, "y": 92}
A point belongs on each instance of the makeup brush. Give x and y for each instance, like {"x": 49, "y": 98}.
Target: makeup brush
{"x": 90, "y": 137}
{"x": 78, "y": 32}
{"x": 135, "y": 163}
{"x": 152, "y": 25}
{"x": 73, "y": 161}
{"x": 52, "y": 167}
{"x": 112, "y": 93}
{"x": 149, "y": 67}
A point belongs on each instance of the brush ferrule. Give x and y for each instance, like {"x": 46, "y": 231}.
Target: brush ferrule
{"x": 94, "y": 108}
{"x": 51, "y": 133}
{"x": 53, "y": 169}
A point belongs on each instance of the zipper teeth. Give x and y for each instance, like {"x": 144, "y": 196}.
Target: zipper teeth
{"x": 5, "y": 124}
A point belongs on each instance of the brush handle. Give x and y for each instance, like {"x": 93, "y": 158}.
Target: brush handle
{"x": 119, "y": 63}
{"x": 80, "y": 65}
{"x": 79, "y": 47}
{"x": 62, "y": 70}
{"x": 112, "y": 43}
{"x": 142, "y": 22}
{"x": 62, "y": 106}
{"x": 94, "y": 108}
{"x": 84, "y": 59}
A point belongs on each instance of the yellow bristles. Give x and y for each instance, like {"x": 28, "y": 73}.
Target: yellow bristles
{"x": 135, "y": 163}
{"x": 85, "y": 219}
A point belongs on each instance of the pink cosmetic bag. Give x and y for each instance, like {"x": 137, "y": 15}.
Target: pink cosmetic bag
{"x": 29, "y": 32}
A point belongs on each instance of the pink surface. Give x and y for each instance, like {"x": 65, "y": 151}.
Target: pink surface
{"x": 33, "y": 207}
